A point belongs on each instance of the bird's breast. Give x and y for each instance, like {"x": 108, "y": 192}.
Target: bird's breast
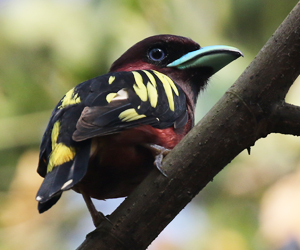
{"x": 119, "y": 162}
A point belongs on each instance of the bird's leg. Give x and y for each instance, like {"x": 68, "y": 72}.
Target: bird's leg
{"x": 159, "y": 153}
{"x": 97, "y": 216}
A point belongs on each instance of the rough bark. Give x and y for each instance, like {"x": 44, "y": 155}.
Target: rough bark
{"x": 251, "y": 109}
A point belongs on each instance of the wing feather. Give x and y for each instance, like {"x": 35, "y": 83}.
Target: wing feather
{"x": 101, "y": 106}
{"x": 134, "y": 99}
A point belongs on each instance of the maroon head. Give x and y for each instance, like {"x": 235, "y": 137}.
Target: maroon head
{"x": 180, "y": 58}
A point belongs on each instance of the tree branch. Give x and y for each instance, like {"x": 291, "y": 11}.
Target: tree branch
{"x": 286, "y": 119}
{"x": 249, "y": 110}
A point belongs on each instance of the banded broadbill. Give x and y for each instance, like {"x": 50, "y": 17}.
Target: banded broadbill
{"x": 106, "y": 134}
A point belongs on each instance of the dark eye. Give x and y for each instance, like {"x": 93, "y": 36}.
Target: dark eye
{"x": 156, "y": 54}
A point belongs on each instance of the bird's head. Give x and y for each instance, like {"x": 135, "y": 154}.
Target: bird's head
{"x": 180, "y": 58}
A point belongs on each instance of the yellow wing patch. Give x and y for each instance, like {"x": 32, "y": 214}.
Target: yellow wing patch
{"x": 60, "y": 153}
{"x": 151, "y": 77}
{"x": 122, "y": 94}
{"x": 144, "y": 91}
{"x": 153, "y": 95}
{"x": 54, "y": 134}
{"x": 130, "y": 115}
{"x": 172, "y": 84}
{"x": 110, "y": 96}
{"x": 168, "y": 88}
{"x": 139, "y": 87}
{"x": 111, "y": 79}
{"x": 69, "y": 99}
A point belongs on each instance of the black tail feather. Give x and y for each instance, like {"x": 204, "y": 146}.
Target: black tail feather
{"x": 63, "y": 177}
{"x": 42, "y": 207}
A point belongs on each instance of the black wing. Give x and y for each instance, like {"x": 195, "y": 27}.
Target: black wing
{"x": 104, "y": 105}
{"x": 131, "y": 99}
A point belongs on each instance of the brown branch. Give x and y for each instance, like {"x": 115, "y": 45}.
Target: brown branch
{"x": 245, "y": 113}
{"x": 286, "y": 119}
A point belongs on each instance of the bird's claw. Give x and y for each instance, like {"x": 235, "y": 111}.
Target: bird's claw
{"x": 158, "y": 163}
{"x": 159, "y": 154}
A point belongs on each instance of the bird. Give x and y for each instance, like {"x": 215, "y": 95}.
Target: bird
{"x": 106, "y": 134}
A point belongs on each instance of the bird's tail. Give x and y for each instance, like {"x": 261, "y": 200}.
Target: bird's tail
{"x": 63, "y": 177}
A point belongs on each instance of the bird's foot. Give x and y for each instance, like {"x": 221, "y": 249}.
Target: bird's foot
{"x": 159, "y": 153}
{"x": 98, "y": 218}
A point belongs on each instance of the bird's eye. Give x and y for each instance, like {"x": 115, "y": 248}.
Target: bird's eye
{"x": 156, "y": 54}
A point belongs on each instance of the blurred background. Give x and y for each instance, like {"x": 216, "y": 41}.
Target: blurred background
{"x": 49, "y": 46}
